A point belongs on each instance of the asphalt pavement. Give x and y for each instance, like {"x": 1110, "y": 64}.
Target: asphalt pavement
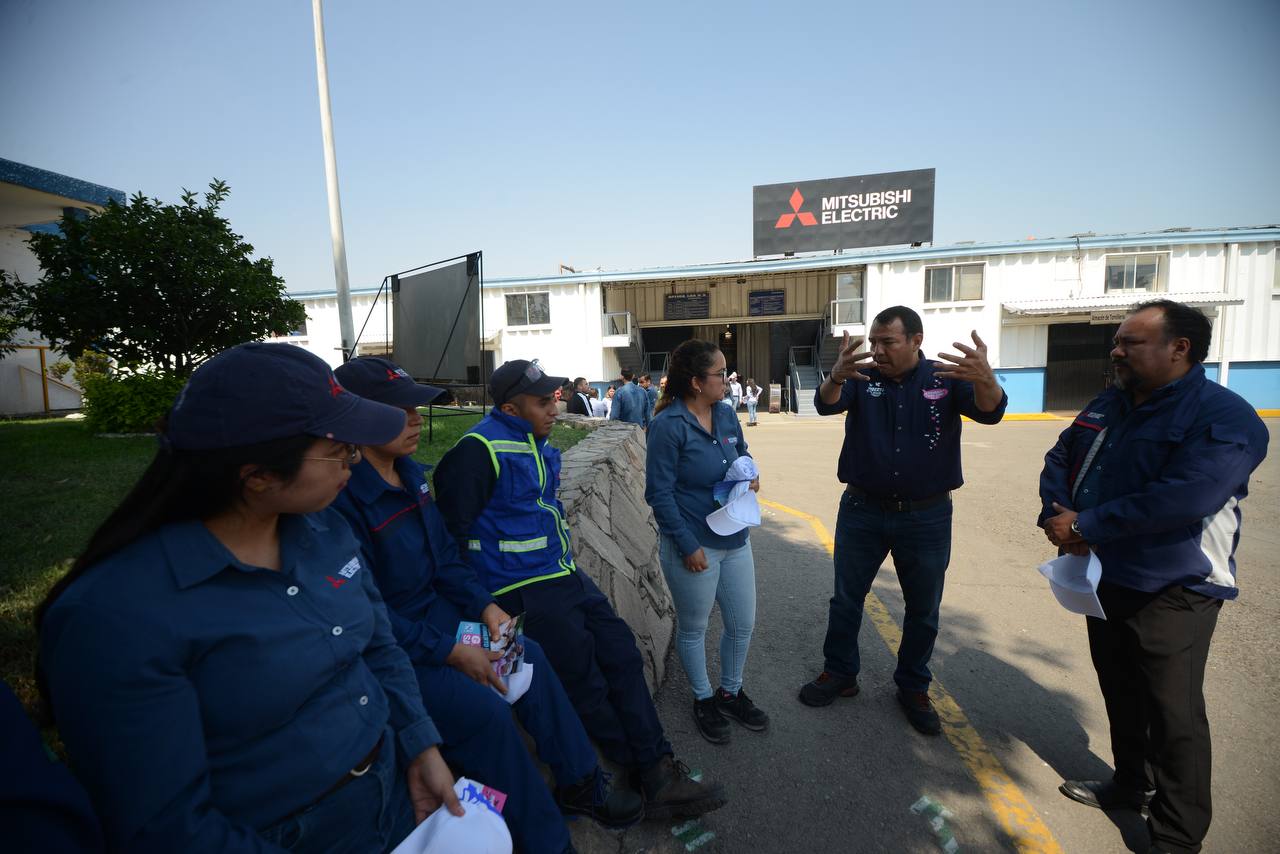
{"x": 1022, "y": 706}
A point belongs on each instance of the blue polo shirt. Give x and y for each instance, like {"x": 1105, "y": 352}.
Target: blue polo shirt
{"x": 201, "y": 698}
{"x": 902, "y": 438}
{"x": 684, "y": 462}
{"x": 414, "y": 559}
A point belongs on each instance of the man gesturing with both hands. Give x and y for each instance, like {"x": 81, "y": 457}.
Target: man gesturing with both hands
{"x": 899, "y": 462}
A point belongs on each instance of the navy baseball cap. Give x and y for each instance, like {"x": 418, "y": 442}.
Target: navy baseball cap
{"x": 260, "y": 392}
{"x": 522, "y": 377}
{"x": 384, "y": 381}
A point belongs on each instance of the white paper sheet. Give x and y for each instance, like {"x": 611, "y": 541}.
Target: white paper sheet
{"x": 739, "y": 509}
{"x": 1074, "y": 582}
{"x": 517, "y": 683}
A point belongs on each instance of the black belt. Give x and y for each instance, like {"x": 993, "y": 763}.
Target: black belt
{"x": 898, "y": 505}
{"x": 362, "y": 768}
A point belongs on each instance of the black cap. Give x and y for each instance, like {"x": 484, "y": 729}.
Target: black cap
{"x": 384, "y": 381}
{"x": 260, "y": 392}
{"x": 522, "y": 377}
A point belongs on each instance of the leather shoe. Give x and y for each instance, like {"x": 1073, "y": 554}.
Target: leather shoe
{"x": 1106, "y": 795}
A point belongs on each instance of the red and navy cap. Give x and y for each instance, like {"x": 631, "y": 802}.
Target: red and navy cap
{"x": 259, "y": 392}
{"x": 385, "y": 381}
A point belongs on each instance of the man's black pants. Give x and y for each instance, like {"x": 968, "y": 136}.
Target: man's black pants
{"x": 1150, "y": 656}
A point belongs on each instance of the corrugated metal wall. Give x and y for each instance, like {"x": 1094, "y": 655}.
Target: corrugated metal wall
{"x": 807, "y": 294}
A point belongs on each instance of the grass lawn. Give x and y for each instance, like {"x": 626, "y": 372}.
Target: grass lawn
{"x": 59, "y": 482}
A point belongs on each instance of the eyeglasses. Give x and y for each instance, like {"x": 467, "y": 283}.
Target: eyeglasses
{"x": 723, "y": 375}
{"x": 352, "y": 457}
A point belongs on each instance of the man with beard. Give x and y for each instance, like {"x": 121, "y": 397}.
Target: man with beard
{"x": 1150, "y": 476}
{"x": 899, "y": 463}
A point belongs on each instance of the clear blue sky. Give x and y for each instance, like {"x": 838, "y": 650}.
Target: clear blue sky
{"x": 619, "y": 135}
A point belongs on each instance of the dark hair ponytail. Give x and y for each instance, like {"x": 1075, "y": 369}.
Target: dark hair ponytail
{"x": 177, "y": 486}
{"x": 691, "y": 359}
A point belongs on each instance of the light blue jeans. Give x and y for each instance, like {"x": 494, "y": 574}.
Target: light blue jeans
{"x": 751, "y": 410}
{"x": 730, "y": 579}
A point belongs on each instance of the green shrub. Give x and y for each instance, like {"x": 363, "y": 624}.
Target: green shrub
{"x": 91, "y": 363}
{"x": 59, "y": 369}
{"x": 128, "y": 404}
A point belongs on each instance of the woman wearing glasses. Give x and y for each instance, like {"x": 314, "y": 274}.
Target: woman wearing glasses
{"x": 218, "y": 660}
{"x": 693, "y": 442}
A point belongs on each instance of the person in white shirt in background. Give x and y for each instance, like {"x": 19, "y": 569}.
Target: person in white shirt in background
{"x": 751, "y": 397}
{"x": 600, "y": 408}
{"x": 735, "y": 391}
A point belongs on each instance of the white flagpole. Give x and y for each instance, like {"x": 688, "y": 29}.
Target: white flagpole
{"x": 331, "y": 180}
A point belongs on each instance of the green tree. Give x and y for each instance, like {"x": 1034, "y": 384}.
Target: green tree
{"x": 13, "y": 307}
{"x": 154, "y": 285}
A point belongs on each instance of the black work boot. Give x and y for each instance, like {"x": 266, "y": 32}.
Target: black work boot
{"x": 738, "y": 707}
{"x": 823, "y": 690}
{"x": 669, "y": 791}
{"x": 593, "y": 797}
{"x": 918, "y": 708}
{"x": 712, "y": 724}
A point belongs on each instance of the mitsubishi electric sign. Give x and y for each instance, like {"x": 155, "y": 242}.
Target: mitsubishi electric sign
{"x": 844, "y": 213}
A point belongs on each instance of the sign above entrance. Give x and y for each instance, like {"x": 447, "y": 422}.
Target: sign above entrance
{"x": 686, "y": 307}
{"x": 766, "y": 303}
{"x": 843, "y": 213}
{"x": 1110, "y": 316}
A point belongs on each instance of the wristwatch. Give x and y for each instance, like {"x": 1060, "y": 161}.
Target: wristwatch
{"x": 1075, "y": 527}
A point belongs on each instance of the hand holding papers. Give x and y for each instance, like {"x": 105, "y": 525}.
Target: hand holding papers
{"x": 1074, "y": 581}
{"x": 511, "y": 667}
{"x": 739, "y": 508}
{"x": 481, "y": 829}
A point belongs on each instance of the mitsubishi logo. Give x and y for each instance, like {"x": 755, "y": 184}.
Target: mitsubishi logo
{"x": 805, "y": 217}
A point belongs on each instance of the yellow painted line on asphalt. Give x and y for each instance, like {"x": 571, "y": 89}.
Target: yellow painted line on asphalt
{"x": 1016, "y": 815}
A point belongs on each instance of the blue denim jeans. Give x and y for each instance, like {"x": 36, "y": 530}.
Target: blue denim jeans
{"x": 751, "y": 410}
{"x": 920, "y": 542}
{"x": 730, "y": 579}
{"x": 370, "y": 813}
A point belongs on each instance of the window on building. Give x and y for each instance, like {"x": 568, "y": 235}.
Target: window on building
{"x": 1135, "y": 272}
{"x": 848, "y": 305}
{"x": 301, "y": 330}
{"x": 953, "y": 283}
{"x": 528, "y": 309}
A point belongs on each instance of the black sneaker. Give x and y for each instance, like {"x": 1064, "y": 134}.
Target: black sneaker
{"x": 669, "y": 791}
{"x": 919, "y": 711}
{"x": 738, "y": 707}
{"x": 712, "y": 724}
{"x": 595, "y": 798}
{"x": 824, "y": 690}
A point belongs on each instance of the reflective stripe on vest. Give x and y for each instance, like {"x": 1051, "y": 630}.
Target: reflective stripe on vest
{"x": 521, "y": 545}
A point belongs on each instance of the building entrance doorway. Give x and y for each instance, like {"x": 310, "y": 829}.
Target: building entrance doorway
{"x": 1079, "y": 364}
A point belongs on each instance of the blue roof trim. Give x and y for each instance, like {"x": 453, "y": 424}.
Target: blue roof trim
{"x": 55, "y": 184}
{"x": 1249, "y": 234}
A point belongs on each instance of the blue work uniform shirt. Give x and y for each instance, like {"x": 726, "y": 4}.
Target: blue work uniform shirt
{"x": 201, "y": 698}
{"x": 902, "y": 438}
{"x": 630, "y": 403}
{"x": 414, "y": 558}
{"x": 683, "y": 463}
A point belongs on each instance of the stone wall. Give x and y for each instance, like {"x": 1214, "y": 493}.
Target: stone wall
{"x": 615, "y": 539}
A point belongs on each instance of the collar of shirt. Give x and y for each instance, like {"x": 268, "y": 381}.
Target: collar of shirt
{"x": 513, "y": 422}
{"x": 366, "y": 485}
{"x": 196, "y": 555}
{"x": 679, "y": 409}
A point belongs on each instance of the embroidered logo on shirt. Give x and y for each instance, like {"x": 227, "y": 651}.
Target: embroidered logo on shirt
{"x": 336, "y": 582}
{"x": 1098, "y": 415}
{"x": 935, "y": 393}
{"x": 875, "y": 389}
{"x": 352, "y": 567}
{"x": 424, "y": 489}
{"x": 731, "y": 440}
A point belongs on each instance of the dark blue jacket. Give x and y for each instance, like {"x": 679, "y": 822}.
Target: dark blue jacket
{"x": 1167, "y": 508}
{"x": 631, "y": 403}
{"x": 682, "y": 465}
{"x": 201, "y": 698}
{"x": 413, "y": 556}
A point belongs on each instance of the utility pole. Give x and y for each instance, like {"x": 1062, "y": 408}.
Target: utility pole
{"x": 331, "y": 181}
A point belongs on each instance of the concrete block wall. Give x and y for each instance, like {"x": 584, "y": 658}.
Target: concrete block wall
{"x": 615, "y": 538}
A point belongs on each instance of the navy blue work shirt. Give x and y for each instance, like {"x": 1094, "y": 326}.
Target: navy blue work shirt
{"x": 902, "y": 439}
{"x": 682, "y": 465}
{"x": 201, "y": 698}
{"x": 413, "y": 556}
